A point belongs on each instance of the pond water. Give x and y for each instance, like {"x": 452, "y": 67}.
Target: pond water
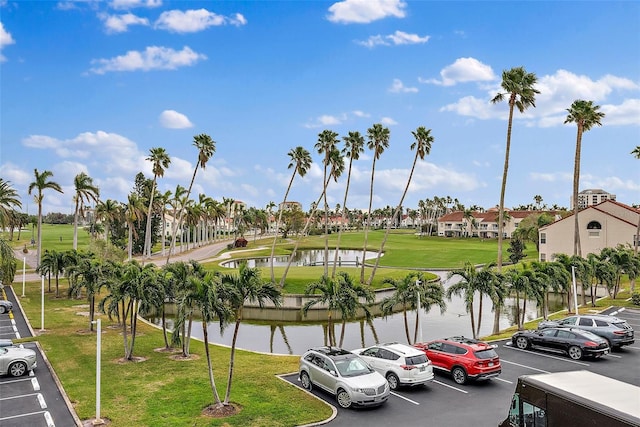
{"x": 306, "y": 258}
{"x": 280, "y": 337}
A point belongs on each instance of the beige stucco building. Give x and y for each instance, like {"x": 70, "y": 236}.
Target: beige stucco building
{"x": 605, "y": 225}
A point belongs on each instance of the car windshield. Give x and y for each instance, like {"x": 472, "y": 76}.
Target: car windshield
{"x": 622, "y": 324}
{"x": 352, "y": 367}
{"x": 486, "y": 354}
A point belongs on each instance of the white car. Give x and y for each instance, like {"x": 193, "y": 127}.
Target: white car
{"x": 399, "y": 363}
{"x": 344, "y": 375}
{"x": 16, "y": 361}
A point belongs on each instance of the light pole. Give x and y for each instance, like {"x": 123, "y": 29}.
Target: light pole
{"x": 24, "y": 267}
{"x": 575, "y": 288}
{"x": 42, "y": 307}
{"x": 98, "y": 421}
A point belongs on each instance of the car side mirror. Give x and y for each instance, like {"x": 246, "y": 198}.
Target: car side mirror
{"x": 334, "y": 373}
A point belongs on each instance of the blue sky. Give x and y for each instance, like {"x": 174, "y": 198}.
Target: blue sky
{"x": 92, "y": 86}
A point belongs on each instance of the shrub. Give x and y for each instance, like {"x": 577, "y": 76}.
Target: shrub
{"x": 635, "y": 298}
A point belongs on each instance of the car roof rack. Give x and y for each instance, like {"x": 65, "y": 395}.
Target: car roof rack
{"x": 464, "y": 340}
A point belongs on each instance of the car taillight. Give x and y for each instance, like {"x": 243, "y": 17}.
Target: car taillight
{"x": 590, "y": 344}
{"x": 620, "y": 332}
{"x": 407, "y": 367}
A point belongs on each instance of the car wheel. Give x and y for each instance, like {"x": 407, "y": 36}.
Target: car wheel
{"x": 305, "y": 380}
{"x": 344, "y": 400}
{"x": 393, "y": 381}
{"x": 3, "y": 309}
{"x": 459, "y": 375}
{"x": 17, "y": 369}
{"x": 522, "y": 343}
{"x": 575, "y": 352}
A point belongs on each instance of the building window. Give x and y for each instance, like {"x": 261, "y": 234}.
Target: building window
{"x": 543, "y": 257}
{"x": 543, "y": 238}
{"x": 594, "y": 225}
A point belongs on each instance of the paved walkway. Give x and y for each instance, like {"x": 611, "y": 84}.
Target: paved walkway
{"x": 205, "y": 253}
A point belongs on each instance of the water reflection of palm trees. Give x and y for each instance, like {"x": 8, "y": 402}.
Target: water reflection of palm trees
{"x": 284, "y": 337}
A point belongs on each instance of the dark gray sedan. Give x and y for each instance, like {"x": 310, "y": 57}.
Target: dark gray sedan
{"x": 616, "y": 331}
{"x": 5, "y": 306}
{"x": 575, "y": 343}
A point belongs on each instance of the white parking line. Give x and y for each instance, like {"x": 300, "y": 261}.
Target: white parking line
{"x": 503, "y": 380}
{"x": 43, "y": 404}
{"x": 15, "y": 381}
{"x": 614, "y": 355}
{"x": 22, "y": 415}
{"x": 524, "y": 366}
{"x": 35, "y": 384}
{"x": 48, "y": 419}
{"x": 405, "y": 398}
{"x": 549, "y": 356}
{"x": 452, "y": 387}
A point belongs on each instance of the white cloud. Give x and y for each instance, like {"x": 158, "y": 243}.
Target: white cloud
{"x": 398, "y": 87}
{"x": 397, "y": 38}
{"x": 5, "y": 40}
{"x": 129, "y": 4}
{"x": 473, "y": 107}
{"x": 551, "y": 176}
{"x": 365, "y": 11}
{"x": 173, "y": 120}
{"x": 153, "y": 58}
{"x": 463, "y": 70}
{"x": 388, "y": 121}
{"x": 192, "y": 21}
{"x": 627, "y": 113}
{"x": 121, "y": 23}
{"x": 359, "y": 113}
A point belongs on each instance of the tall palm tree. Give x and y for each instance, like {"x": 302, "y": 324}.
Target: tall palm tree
{"x": 353, "y": 147}
{"x": 206, "y": 149}
{"x": 108, "y": 211}
{"x": 209, "y": 299}
{"x": 300, "y": 163}
{"x": 377, "y": 141}
{"x": 8, "y": 262}
{"x": 466, "y": 287}
{"x": 41, "y": 184}
{"x": 337, "y": 167}
{"x": 636, "y": 153}
{"x": 245, "y": 287}
{"x": 585, "y": 115}
{"x": 133, "y": 213}
{"x": 85, "y": 191}
{"x": 90, "y": 274}
{"x": 518, "y": 85}
{"x": 160, "y": 161}
{"x": 9, "y": 200}
{"x": 324, "y": 291}
{"x": 352, "y": 297}
{"x": 422, "y": 146}
{"x": 327, "y": 142}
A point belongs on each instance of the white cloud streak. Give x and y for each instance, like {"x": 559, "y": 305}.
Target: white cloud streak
{"x": 153, "y": 58}
{"x": 171, "y": 119}
{"x": 365, "y": 11}
{"x": 192, "y": 21}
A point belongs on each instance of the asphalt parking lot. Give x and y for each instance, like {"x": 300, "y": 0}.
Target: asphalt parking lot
{"x": 480, "y": 404}
{"x": 34, "y": 399}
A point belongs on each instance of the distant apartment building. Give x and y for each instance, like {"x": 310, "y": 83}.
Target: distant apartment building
{"x": 592, "y": 197}
{"x": 289, "y": 206}
{"x": 605, "y": 225}
{"x": 480, "y": 224}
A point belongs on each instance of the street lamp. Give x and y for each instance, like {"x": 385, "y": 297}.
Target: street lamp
{"x": 42, "y": 307}
{"x": 98, "y": 421}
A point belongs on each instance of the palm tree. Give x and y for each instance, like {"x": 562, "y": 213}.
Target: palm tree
{"x": 585, "y": 115}
{"x": 378, "y": 141}
{"x": 42, "y": 183}
{"x": 160, "y": 161}
{"x": 352, "y": 297}
{"x": 8, "y": 262}
{"x": 89, "y": 274}
{"x": 52, "y": 264}
{"x": 403, "y": 295}
{"x": 209, "y": 299}
{"x": 422, "y": 145}
{"x": 245, "y": 287}
{"x": 85, "y": 192}
{"x": 108, "y": 211}
{"x": 466, "y": 287}
{"x": 518, "y": 84}
{"x": 9, "y": 200}
{"x": 353, "y": 147}
{"x": 133, "y": 213}
{"x": 327, "y": 142}
{"x": 636, "y": 153}
{"x": 325, "y": 292}
{"x": 206, "y": 148}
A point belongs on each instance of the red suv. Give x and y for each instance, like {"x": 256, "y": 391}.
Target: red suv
{"x": 463, "y": 358}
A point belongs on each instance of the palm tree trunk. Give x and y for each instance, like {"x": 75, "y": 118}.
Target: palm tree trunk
{"x": 214, "y": 390}
{"x": 406, "y": 324}
{"x": 164, "y": 328}
{"x": 232, "y": 360}
{"x": 473, "y": 320}
{"x": 344, "y": 324}
{"x": 479, "y": 315}
{"x": 343, "y": 216}
{"x": 576, "y": 183}
{"x": 193, "y": 177}
{"x": 368, "y": 222}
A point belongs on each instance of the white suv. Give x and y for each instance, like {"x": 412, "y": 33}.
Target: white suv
{"x": 399, "y": 363}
